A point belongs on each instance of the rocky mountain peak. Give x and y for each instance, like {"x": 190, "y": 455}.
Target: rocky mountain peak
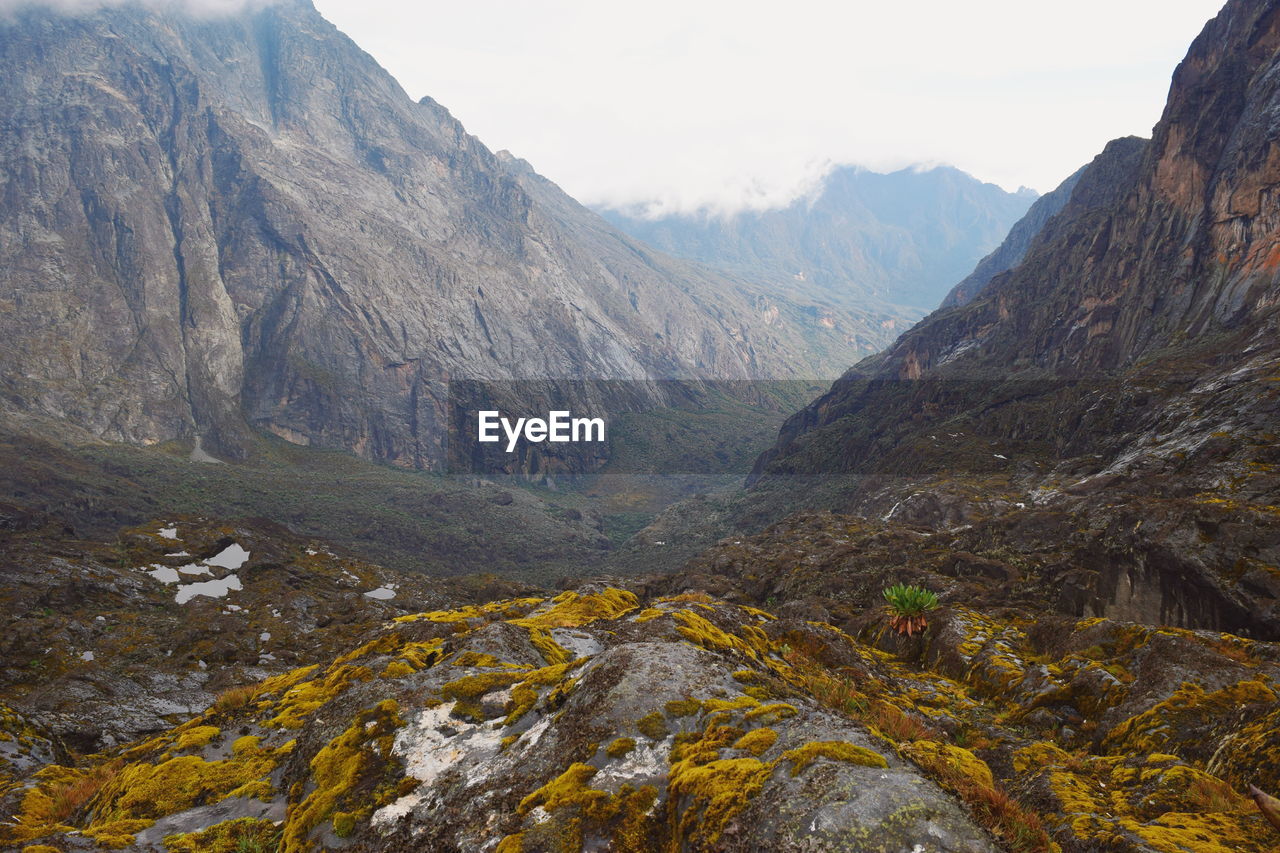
{"x": 242, "y": 223}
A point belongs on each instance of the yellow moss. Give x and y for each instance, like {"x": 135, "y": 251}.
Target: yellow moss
{"x": 338, "y": 768}
{"x": 739, "y": 704}
{"x": 344, "y": 823}
{"x": 283, "y": 682}
{"x": 472, "y": 687}
{"x": 836, "y": 750}
{"x": 146, "y": 791}
{"x": 758, "y": 613}
{"x": 500, "y": 609}
{"x": 1189, "y": 703}
{"x": 683, "y": 707}
{"x": 303, "y": 699}
{"x": 46, "y": 806}
{"x": 511, "y": 844}
{"x": 620, "y": 747}
{"x": 569, "y": 788}
{"x": 747, "y": 676}
{"x": 699, "y": 631}
{"x": 397, "y": 669}
{"x": 40, "y": 848}
{"x": 702, "y": 747}
{"x": 232, "y": 836}
{"x": 507, "y": 741}
{"x": 1203, "y": 833}
{"x": 945, "y": 762}
{"x": 444, "y": 616}
{"x": 245, "y": 745}
{"x": 422, "y": 655}
{"x": 757, "y": 741}
{"x": 385, "y": 645}
{"x": 196, "y": 737}
{"x": 571, "y": 610}
{"x": 1040, "y": 755}
{"x": 771, "y": 713}
{"x": 560, "y": 692}
{"x": 552, "y": 652}
{"x": 649, "y": 614}
{"x": 477, "y": 659}
{"x": 623, "y": 816}
{"x": 116, "y": 834}
{"x": 652, "y": 725}
{"x": 715, "y": 792}
{"x": 525, "y": 694}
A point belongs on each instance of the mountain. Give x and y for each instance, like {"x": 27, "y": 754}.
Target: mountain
{"x": 1119, "y": 385}
{"x": 216, "y": 224}
{"x": 898, "y": 239}
{"x": 1015, "y": 246}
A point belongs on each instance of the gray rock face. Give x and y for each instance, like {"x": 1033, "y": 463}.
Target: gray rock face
{"x": 899, "y": 239}
{"x": 211, "y": 224}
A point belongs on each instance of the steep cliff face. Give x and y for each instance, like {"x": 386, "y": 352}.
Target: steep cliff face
{"x": 1171, "y": 248}
{"x": 1169, "y": 245}
{"x": 896, "y": 239}
{"x": 221, "y": 222}
{"x": 1122, "y": 376}
{"x": 1015, "y": 246}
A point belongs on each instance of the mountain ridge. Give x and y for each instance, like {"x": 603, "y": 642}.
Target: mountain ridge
{"x": 251, "y": 227}
{"x": 900, "y": 238}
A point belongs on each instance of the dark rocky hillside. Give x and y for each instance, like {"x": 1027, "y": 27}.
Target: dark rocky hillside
{"x": 624, "y": 719}
{"x": 1120, "y": 381}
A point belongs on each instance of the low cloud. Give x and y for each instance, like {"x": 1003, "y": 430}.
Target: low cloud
{"x": 733, "y": 195}
{"x": 197, "y": 8}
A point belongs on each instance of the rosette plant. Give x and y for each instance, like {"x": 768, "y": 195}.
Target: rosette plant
{"x": 907, "y": 606}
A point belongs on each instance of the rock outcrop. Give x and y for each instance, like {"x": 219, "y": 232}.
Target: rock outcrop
{"x": 599, "y": 719}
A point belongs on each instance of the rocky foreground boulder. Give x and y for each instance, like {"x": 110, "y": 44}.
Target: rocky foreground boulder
{"x": 596, "y": 720}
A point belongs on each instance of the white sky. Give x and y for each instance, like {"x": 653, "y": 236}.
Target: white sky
{"x": 734, "y": 102}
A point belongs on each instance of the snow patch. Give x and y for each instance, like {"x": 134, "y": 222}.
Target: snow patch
{"x": 216, "y": 588}
{"x": 382, "y": 593}
{"x": 86, "y": 656}
{"x": 169, "y": 532}
{"x": 164, "y": 574}
{"x": 232, "y": 557}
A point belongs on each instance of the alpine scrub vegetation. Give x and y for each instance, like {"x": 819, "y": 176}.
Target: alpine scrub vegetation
{"x": 907, "y": 605}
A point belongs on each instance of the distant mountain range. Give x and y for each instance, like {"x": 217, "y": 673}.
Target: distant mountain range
{"x": 901, "y": 239}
